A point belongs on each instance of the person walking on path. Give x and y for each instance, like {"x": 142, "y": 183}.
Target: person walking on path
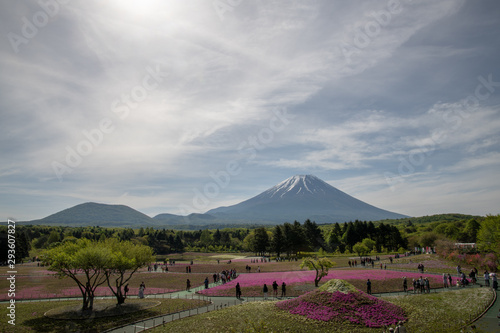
{"x": 486, "y": 278}
{"x": 142, "y": 287}
{"x": 265, "y": 291}
{"x": 238, "y": 291}
{"x": 283, "y": 289}
{"x": 275, "y": 289}
{"x": 450, "y": 280}
{"x": 369, "y": 287}
{"x": 188, "y": 285}
{"x": 405, "y": 284}
{"x": 472, "y": 276}
{"x": 206, "y": 282}
{"x": 494, "y": 280}
{"x": 445, "y": 281}
{"x": 427, "y": 285}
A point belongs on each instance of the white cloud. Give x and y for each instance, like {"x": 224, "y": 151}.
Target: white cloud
{"x": 220, "y": 81}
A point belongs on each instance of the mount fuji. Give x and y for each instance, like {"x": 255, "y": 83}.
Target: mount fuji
{"x": 302, "y": 197}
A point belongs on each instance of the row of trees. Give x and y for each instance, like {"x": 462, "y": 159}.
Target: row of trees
{"x": 288, "y": 238}
{"x": 285, "y": 239}
{"x": 292, "y": 238}
{"x": 163, "y": 241}
{"x": 383, "y": 236}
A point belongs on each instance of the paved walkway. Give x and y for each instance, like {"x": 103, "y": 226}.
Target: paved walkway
{"x": 489, "y": 321}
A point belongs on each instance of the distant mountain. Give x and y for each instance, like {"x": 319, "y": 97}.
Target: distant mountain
{"x": 194, "y": 219}
{"x": 299, "y": 198}
{"x": 96, "y": 214}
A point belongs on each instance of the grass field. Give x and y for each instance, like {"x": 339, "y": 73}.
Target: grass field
{"x": 30, "y": 316}
{"x": 437, "y": 312}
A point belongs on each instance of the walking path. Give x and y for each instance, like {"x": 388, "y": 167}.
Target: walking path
{"x": 489, "y": 322}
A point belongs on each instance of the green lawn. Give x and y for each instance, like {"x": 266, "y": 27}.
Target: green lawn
{"x": 30, "y": 316}
{"x": 439, "y": 312}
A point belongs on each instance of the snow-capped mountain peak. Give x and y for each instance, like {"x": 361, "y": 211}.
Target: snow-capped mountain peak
{"x": 301, "y": 197}
{"x": 298, "y": 185}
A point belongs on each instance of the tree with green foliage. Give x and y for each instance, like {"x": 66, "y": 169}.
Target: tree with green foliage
{"x": 288, "y": 238}
{"x": 261, "y": 241}
{"x": 126, "y": 259}
{"x": 23, "y": 244}
{"x": 85, "y": 262}
{"x": 206, "y": 238}
{"x": 349, "y": 237}
{"x": 320, "y": 265}
{"x": 249, "y": 242}
{"x": 298, "y": 238}
{"x": 178, "y": 246}
{"x": 428, "y": 239}
{"x": 360, "y": 249}
{"x": 278, "y": 241}
{"x": 369, "y": 243}
{"x": 314, "y": 236}
{"x": 488, "y": 236}
{"x": 334, "y": 241}
{"x": 469, "y": 233}
{"x": 225, "y": 238}
{"x": 54, "y": 237}
{"x": 216, "y": 237}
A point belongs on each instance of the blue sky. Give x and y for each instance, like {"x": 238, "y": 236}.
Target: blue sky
{"x": 183, "y": 106}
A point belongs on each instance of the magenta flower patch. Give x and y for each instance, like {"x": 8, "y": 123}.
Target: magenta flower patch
{"x": 355, "y": 307}
{"x": 384, "y": 280}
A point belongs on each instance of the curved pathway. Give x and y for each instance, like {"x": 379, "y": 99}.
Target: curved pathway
{"x": 489, "y": 322}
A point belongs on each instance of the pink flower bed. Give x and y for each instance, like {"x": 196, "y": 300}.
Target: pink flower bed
{"x": 254, "y": 282}
{"x": 355, "y": 307}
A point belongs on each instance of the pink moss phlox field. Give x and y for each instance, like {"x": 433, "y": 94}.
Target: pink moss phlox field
{"x": 355, "y": 307}
{"x": 259, "y": 279}
{"x": 307, "y": 277}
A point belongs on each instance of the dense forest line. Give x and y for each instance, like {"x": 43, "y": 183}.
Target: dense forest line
{"x": 288, "y": 238}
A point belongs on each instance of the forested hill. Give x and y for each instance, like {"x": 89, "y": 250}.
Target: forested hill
{"x": 451, "y": 217}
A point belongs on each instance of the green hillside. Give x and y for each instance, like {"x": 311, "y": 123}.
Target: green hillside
{"x": 95, "y": 214}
